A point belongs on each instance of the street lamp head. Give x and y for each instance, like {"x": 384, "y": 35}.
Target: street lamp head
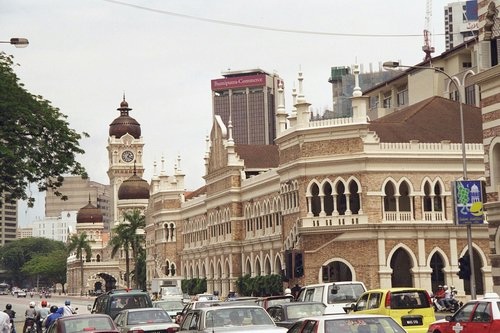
{"x": 19, "y": 42}
{"x": 391, "y": 64}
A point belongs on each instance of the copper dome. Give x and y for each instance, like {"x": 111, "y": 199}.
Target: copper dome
{"x": 89, "y": 214}
{"x": 133, "y": 188}
{"x": 124, "y": 123}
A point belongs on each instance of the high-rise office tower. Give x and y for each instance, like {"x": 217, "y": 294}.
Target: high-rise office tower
{"x": 8, "y": 222}
{"x": 460, "y": 22}
{"x": 249, "y": 99}
{"x": 78, "y": 191}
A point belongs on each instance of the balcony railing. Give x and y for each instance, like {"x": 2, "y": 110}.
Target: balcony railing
{"x": 328, "y": 221}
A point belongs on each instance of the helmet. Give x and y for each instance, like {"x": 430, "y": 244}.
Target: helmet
{"x": 440, "y": 286}
{"x": 8, "y": 306}
{"x": 288, "y": 291}
{"x": 44, "y": 303}
{"x": 445, "y": 287}
{"x": 32, "y": 304}
{"x": 67, "y": 302}
{"x": 53, "y": 308}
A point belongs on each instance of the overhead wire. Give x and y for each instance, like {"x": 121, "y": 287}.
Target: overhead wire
{"x": 259, "y": 27}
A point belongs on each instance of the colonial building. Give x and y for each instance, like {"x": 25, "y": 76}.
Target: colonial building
{"x": 358, "y": 199}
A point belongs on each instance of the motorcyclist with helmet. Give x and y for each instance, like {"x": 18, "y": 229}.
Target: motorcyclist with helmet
{"x": 12, "y": 314}
{"x": 68, "y": 310}
{"x": 41, "y": 314}
{"x": 446, "y": 299}
{"x": 55, "y": 312}
{"x": 30, "y": 315}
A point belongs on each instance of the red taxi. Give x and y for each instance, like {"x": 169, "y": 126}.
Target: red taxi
{"x": 476, "y": 316}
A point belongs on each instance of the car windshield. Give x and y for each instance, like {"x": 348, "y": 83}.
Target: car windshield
{"x": 296, "y": 311}
{"x": 122, "y": 302}
{"x": 363, "y": 325}
{"x": 240, "y": 316}
{"x": 91, "y": 323}
{"x": 345, "y": 293}
{"x": 148, "y": 316}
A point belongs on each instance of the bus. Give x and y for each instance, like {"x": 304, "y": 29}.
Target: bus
{"x": 4, "y": 288}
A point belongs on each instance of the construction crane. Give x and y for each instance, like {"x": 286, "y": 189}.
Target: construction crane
{"x": 428, "y": 48}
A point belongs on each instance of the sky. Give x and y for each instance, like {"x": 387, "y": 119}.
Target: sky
{"x": 84, "y": 56}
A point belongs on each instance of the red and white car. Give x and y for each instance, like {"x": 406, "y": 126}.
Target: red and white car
{"x": 476, "y": 316}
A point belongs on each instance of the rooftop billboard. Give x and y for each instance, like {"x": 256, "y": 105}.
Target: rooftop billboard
{"x": 257, "y": 80}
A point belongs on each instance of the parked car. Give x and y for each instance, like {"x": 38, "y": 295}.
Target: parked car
{"x": 412, "y": 308}
{"x": 88, "y": 323}
{"x": 114, "y": 301}
{"x": 145, "y": 320}
{"x": 172, "y": 307}
{"x": 335, "y": 295}
{"x": 476, "y": 316}
{"x": 286, "y": 314}
{"x": 347, "y": 323}
{"x": 268, "y": 301}
{"x": 230, "y": 319}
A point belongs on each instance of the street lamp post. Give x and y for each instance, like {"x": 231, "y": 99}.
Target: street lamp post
{"x": 395, "y": 64}
{"x": 17, "y": 42}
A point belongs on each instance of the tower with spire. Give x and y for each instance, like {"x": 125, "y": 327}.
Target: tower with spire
{"x": 125, "y": 148}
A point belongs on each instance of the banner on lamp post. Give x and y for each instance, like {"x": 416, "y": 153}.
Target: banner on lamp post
{"x": 468, "y": 199}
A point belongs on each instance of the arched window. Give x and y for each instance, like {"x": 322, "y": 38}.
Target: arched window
{"x": 404, "y": 198}
{"x": 328, "y": 199}
{"x": 315, "y": 200}
{"x": 336, "y": 271}
{"x": 389, "y": 199}
{"x": 98, "y": 258}
{"x": 354, "y": 200}
{"x": 341, "y": 198}
{"x": 167, "y": 268}
{"x": 427, "y": 197}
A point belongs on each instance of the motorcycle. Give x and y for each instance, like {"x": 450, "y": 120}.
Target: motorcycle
{"x": 30, "y": 326}
{"x": 453, "y": 303}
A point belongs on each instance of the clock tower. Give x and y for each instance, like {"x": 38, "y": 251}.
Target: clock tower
{"x": 125, "y": 147}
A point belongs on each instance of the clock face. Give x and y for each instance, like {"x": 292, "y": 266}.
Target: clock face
{"x": 127, "y": 156}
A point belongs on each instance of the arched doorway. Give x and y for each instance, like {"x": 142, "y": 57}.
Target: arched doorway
{"x": 437, "y": 275}
{"x": 478, "y": 275}
{"x": 401, "y": 269}
{"x": 336, "y": 271}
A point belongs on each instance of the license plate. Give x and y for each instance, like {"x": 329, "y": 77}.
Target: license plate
{"x": 411, "y": 321}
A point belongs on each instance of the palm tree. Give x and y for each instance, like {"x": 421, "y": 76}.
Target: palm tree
{"x": 126, "y": 236}
{"x": 80, "y": 243}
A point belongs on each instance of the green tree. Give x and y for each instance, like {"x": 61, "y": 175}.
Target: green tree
{"x": 36, "y": 143}
{"x": 80, "y": 243}
{"x": 14, "y": 255}
{"x": 127, "y": 236}
{"x": 49, "y": 267}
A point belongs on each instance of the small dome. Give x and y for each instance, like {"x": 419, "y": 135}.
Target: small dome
{"x": 134, "y": 188}
{"x": 124, "y": 123}
{"x": 89, "y": 214}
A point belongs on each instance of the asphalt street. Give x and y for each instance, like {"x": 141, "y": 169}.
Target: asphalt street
{"x": 21, "y": 304}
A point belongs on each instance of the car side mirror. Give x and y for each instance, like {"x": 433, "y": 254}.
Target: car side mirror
{"x": 448, "y": 318}
{"x": 349, "y": 307}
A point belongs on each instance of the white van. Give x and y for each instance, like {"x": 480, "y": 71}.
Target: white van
{"x": 335, "y": 295}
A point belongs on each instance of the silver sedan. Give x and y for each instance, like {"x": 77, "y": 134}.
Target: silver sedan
{"x": 146, "y": 320}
